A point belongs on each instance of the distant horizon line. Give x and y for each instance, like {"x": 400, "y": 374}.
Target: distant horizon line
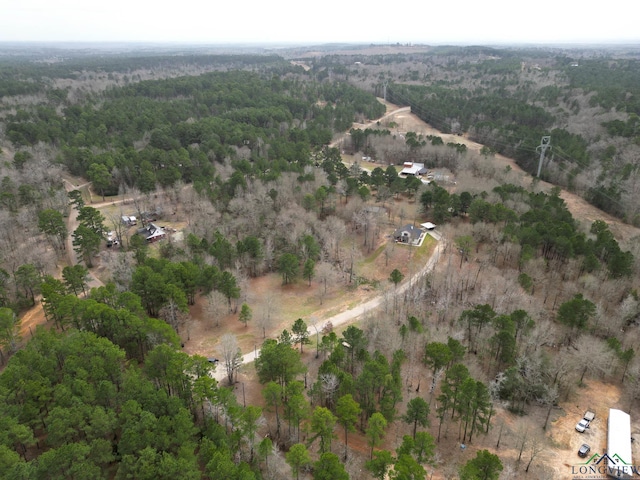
{"x": 289, "y": 44}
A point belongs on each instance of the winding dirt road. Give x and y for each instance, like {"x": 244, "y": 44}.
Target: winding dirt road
{"x": 353, "y": 314}
{"x": 72, "y": 224}
{"x": 578, "y": 207}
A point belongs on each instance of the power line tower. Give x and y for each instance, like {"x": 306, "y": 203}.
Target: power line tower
{"x": 545, "y": 143}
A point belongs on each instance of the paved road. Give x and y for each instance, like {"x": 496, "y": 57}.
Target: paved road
{"x": 353, "y": 314}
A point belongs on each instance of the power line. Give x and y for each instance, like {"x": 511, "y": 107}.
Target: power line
{"x": 545, "y": 143}
{"x": 440, "y": 122}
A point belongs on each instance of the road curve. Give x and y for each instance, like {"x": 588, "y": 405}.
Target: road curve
{"x": 353, "y": 314}
{"x": 392, "y": 113}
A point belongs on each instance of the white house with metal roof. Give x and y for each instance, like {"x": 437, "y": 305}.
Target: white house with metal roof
{"x": 411, "y": 168}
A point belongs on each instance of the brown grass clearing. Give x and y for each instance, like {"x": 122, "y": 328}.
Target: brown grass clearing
{"x": 300, "y": 300}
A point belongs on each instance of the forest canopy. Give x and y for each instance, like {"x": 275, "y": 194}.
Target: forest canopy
{"x": 259, "y": 171}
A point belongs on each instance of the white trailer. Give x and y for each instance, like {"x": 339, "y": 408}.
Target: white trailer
{"x": 619, "y": 461}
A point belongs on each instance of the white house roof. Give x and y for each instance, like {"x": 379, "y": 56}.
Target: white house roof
{"x": 428, "y": 225}
{"x": 412, "y": 168}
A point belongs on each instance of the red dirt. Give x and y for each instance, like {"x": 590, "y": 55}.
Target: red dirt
{"x": 31, "y": 319}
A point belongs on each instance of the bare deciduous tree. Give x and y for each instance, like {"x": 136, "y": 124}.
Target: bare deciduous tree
{"x": 329, "y": 384}
{"x": 522, "y": 436}
{"x": 593, "y": 357}
{"x": 216, "y": 306}
{"x": 121, "y": 265}
{"x": 381, "y": 334}
{"x": 267, "y": 313}
{"x": 632, "y": 389}
{"x": 535, "y": 446}
{"x": 332, "y": 233}
{"x": 326, "y": 275}
{"x": 315, "y": 323}
{"x": 231, "y": 355}
{"x": 172, "y": 314}
{"x": 550, "y": 398}
{"x": 119, "y": 229}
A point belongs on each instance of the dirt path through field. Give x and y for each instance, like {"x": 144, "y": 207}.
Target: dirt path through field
{"x": 579, "y": 208}
{"x": 72, "y": 224}
{"x": 353, "y": 314}
{"x": 35, "y": 315}
{"x": 595, "y": 395}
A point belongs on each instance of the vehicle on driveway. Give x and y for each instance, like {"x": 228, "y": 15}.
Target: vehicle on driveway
{"x": 583, "y": 424}
{"x": 584, "y": 450}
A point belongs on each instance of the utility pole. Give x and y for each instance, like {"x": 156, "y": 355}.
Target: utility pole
{"x": 544, "y": 144}
{"x": 384, "y": 91}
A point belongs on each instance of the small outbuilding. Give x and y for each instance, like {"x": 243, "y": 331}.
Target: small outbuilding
{"x": 428, "y": 225}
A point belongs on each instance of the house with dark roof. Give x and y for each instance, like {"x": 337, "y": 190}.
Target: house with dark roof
{"x": 152, "y": 233}
{"x": 408, "y": 234}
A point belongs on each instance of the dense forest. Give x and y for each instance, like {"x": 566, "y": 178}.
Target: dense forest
{"x": 507, "y": 99}
{"x": 527, "y": 303}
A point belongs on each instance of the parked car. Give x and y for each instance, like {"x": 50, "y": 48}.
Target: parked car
{"x": 582, "y": 425}
{"x": 112, "y": 239}
{"x": 587, "y": 418}
{"x": 584, "y": 450}
{"x": 213, "y": 360}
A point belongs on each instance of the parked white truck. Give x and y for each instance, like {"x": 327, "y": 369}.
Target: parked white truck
{"x": 583, "y": 424}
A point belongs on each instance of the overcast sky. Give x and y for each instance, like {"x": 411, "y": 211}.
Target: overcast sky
{"x": 324, "y": 21}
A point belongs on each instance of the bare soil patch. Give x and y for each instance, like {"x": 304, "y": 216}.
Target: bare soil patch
{"x": 579, "y": 208}
{"x": 595, "y": 396}
{"x": 31, "y": 319}
{"x": 301, "y": 300}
